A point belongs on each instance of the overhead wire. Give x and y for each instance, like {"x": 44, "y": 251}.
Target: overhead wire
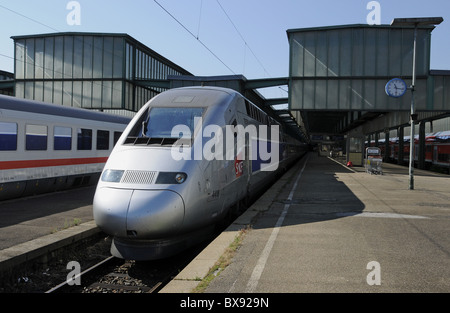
{"x": 199, "y": 19}
{"x": 28, "y": 18}
{"x": 246, "y": 44}
{"x": 242, "y": 37}
{"x": 196, "y": 37}
{"x": 182, "y": 25}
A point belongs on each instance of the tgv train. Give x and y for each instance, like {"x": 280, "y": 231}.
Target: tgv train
{"x": 182, "y": 165}
{"x": 47, "y": 147}
{"x": 437, "y": 149}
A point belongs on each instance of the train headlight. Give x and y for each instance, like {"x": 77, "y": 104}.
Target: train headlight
{"x": 112, "y": 176}
{"x": 180, "y": 177}
{"x": 171, "y": 178}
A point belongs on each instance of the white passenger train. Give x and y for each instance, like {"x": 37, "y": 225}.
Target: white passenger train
{"x": 181, "y": 166}
{"x": 47, "y": 147}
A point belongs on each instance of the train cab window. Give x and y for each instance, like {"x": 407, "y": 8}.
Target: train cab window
{"x": 102, "y": 140}
{"x": 36, "y": 137}
{"x": 8, "y": 136}
{"x": 84, "y": 139}
{"x": 161, "y": 121}
{"x": 62, "y": 138}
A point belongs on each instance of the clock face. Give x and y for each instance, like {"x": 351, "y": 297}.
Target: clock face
{"x": 396, "y": 87}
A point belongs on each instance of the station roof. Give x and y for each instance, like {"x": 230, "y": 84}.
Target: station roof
{"x": 337, "y": 74}
{"x": 125, "y": 36}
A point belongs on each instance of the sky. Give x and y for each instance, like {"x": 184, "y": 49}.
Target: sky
{"x": 214, "y": 37}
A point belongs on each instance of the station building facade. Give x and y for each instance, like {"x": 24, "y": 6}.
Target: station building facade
{"x": 89, "y": 70}
{"x": 337, "y": 79}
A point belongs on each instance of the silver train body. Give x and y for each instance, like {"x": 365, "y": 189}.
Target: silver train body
{"x": 164, "y": 188}
{"x": 48, "y": 147}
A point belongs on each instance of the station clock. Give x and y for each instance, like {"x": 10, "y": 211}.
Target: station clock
{"x": 396, "y": 87}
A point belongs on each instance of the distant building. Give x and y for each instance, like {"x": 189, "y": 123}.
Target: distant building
{"x": 109, "y": 72}
{"x": 6, "y": 83}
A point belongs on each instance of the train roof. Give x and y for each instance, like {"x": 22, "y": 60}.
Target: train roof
{"x": 193, "y": 96}
{"x": 25, "y": 105}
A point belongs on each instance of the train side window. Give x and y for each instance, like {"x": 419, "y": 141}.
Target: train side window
{"x": 248, "y": 107}
{"x": 117, "y": 137}
{"x": 84, "y": 139}
{"x": 102, "y": 140}
{"x": 444, "y": 157}
{"x": 8, "y": 136}
{"x": 36, "y": 137}
{"x": 62, "y": 138}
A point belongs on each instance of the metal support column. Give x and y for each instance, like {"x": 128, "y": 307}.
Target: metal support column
{"x": 413, "y": 116}
{"x": 416, "y": 22}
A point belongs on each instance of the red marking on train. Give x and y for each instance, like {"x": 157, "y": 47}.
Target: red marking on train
{"x": 11, "y": 165}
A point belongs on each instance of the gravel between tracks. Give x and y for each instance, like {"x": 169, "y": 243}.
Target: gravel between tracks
{"x": 38, "y": 277}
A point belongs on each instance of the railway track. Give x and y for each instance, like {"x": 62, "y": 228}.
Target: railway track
{"x": 113, "y": 275}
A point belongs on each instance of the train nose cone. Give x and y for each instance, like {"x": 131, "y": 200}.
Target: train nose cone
{"x": 138, "y": 214}
{"x": 110, "y": 210}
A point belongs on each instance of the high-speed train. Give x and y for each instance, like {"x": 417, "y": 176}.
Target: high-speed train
{"x": 48, "y": 147}
{"x": 187, "y": 159}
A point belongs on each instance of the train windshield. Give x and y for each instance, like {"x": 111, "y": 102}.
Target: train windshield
{"x": 161, "y": 121}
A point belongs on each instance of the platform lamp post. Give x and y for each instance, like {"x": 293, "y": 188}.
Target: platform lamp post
{"x": 416, "y": 22}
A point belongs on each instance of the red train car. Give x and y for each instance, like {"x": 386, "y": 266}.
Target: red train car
{"x": 437, "y": 149}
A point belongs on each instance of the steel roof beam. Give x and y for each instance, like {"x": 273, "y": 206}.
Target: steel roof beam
{"x": 266, "y": 82}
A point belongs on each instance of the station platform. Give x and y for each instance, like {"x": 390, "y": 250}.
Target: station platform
{"x": 324, "y": 227}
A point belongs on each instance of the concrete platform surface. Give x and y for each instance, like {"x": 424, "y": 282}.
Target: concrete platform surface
{"x": 34, "y": 226}
{"x": 326, "y": 228}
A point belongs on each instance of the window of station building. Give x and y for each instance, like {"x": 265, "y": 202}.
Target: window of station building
{"x": 129, "y": 61}
{"x": 58, "y": 57}
{"x": 102, "y": 140}
{"x": 8, "y": 136}
{"x": 62, "y": 138}
{"x": 36, "y": 137}
{"x": 84, "y": 141}
{"x": 98, "y": 58}
{"x": 108, "y": 56}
